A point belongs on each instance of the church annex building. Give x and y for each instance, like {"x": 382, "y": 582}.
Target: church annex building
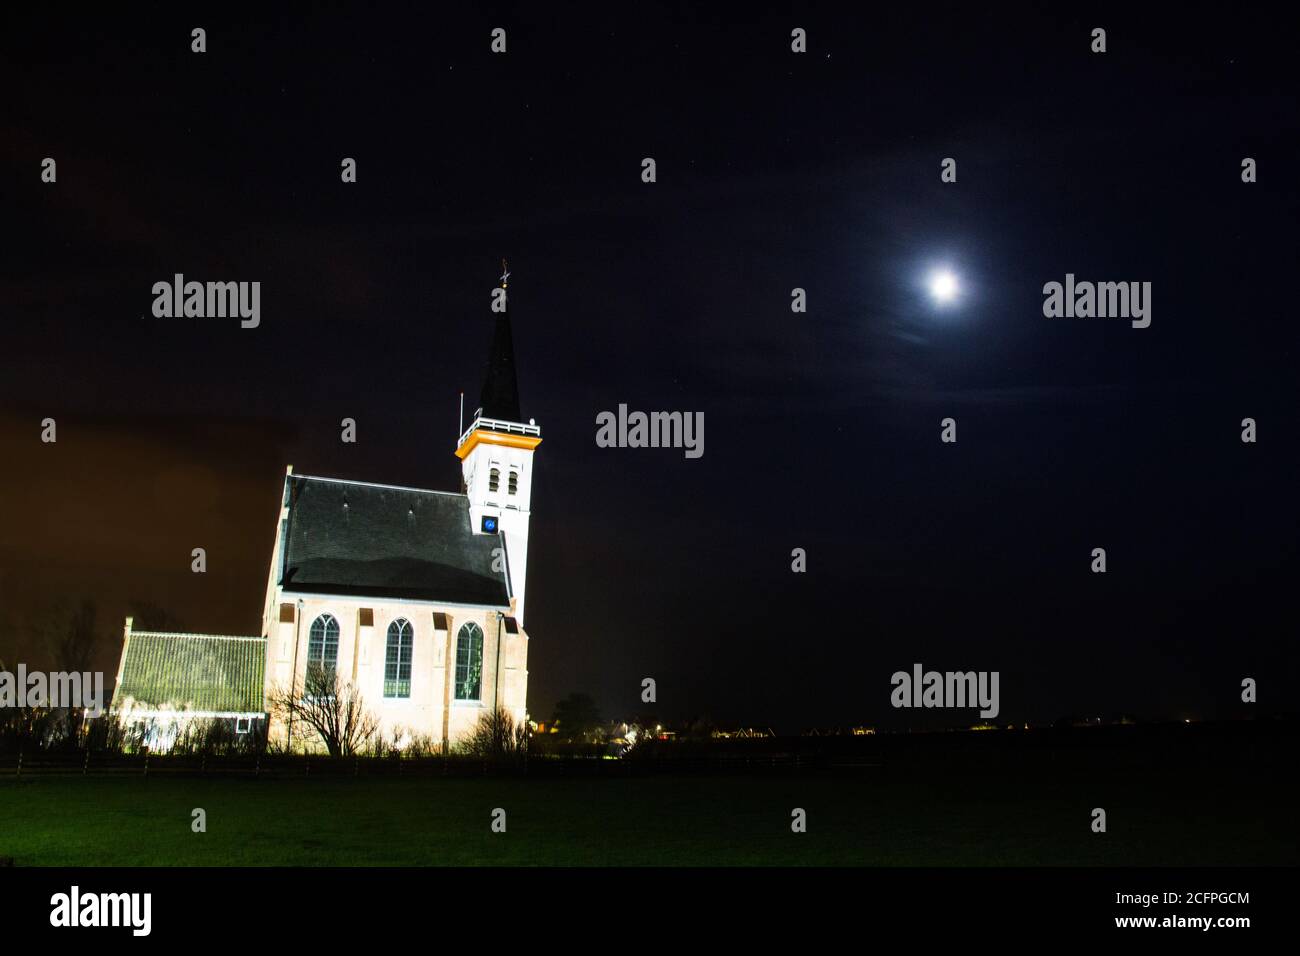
{"x": 414, "y": 597}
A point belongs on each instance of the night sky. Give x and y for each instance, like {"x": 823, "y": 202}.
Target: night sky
{"x": 775, "y": 171}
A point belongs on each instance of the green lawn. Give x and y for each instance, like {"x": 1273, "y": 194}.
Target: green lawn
{"x": 870, "y": 818}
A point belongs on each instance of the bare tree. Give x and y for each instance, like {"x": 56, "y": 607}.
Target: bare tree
{"x": 330, "y": 706}
{"x": 69, "y": 635}
{"x": 578, "y": 718}
{"x": 149, "y": 616}
{"x": 497, "y": 735}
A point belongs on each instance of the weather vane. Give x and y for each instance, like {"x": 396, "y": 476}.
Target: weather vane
{"x": 505, "y": 273}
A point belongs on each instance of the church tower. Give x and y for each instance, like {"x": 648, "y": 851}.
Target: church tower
{"x": 496, "y": 454}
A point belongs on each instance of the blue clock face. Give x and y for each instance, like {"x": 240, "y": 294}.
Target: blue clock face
{"x": 489, "y": 524}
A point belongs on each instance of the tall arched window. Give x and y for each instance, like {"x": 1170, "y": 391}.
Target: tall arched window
{"x": 397, "y": 661}
{"x": 469, "y": 662}
{"x": 323, "y": 645}
{"x": 513, "y": 486}
{"x": 494, "y": 479}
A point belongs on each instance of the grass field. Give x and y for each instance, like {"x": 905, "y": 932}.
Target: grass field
{"x": 867, "y": 817}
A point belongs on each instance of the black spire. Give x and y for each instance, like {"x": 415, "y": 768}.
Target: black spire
{"x": 500, "y": 397}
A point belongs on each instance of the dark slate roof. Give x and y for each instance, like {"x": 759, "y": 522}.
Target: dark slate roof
{"x": 210, "y": 672}
{"x": 500, "y": 395}
{"x": 361, "y": 540}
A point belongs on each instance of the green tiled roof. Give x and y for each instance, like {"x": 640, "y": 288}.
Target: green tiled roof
{"x": 207, "y": 672}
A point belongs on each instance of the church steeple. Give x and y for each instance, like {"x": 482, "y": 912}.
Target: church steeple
{"x": 496, "y": 454}
{"x": 500, "y": 397}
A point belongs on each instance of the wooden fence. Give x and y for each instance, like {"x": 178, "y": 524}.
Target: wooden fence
{"x": 1033, "y": 751}
{"x": 284, "y": 766}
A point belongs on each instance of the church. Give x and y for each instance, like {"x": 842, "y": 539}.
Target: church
{"x": 416, "y": 598}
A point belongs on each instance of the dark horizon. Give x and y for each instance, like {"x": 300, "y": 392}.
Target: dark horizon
{"x": 775, "y": 171}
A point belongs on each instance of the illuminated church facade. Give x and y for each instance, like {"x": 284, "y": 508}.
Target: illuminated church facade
{"x": 414, "y": 597}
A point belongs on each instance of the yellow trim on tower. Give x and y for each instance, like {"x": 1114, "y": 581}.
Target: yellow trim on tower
{"x": 488, "y": 437}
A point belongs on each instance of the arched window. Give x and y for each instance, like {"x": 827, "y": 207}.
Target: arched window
{"x": 514, "y": 482}
{"x": 494, "y": 479}
{"x": 323, "y": 645}
{"x": 397, "y": 661}
{"x": 469, "y": 662}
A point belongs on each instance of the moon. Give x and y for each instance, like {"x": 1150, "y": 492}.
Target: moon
{"x": 943, "y": 286}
